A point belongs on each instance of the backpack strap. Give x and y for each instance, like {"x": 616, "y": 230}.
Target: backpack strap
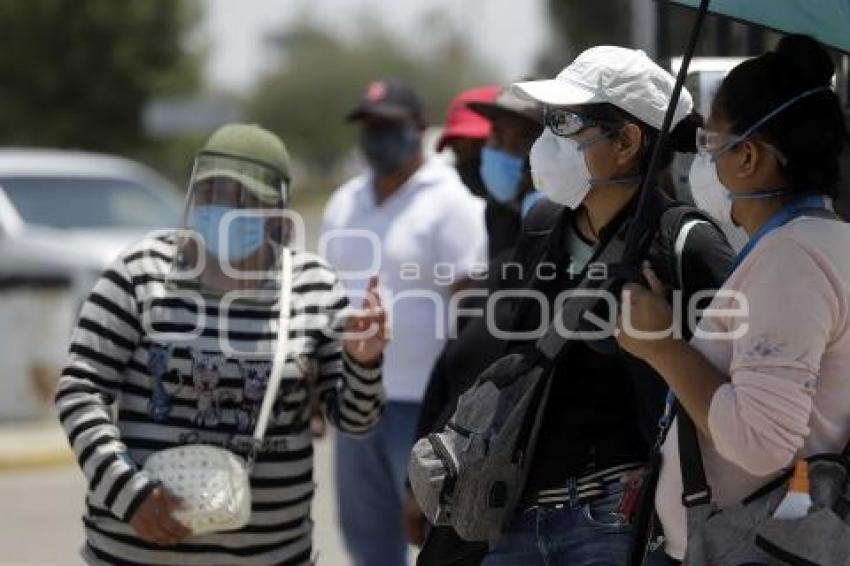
{"x": 543, "y": 216}
{"x": 556, "y": 341}
{"x": 531, "y": 248}
{"x": 679, "y": 248}
{"x": 675, "y": 225}
{"x": 678, "y": 222}
{"x": 696, "y": 490}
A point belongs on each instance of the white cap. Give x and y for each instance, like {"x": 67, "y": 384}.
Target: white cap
{"x": 626, "y": 78}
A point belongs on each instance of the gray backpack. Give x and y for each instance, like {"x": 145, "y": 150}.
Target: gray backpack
{"x": 468, "y": 475}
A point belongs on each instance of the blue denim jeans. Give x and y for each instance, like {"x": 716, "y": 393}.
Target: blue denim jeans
{"x": 370, "y": 475}
{"x": 588, "y": 534}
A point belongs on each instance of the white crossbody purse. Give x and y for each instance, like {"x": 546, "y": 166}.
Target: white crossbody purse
{"x": 213, "y": 482}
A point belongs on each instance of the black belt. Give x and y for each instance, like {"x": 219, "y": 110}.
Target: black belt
{"x": 581, "y": 490}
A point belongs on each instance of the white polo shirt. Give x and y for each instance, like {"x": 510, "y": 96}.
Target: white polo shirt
{"x": 425, "y": 237}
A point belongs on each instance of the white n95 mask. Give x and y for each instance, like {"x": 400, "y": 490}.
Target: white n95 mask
{"x": 709, "y": 193}
{"x": 559, "y": 169}
{"x": 712, "y": 196}
{"x": 560, "y": 172}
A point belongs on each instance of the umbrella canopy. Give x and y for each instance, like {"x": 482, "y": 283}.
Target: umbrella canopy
{"x": 828, "y": 21}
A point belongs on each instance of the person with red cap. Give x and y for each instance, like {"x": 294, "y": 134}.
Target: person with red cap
{"x": 465, "y": 132}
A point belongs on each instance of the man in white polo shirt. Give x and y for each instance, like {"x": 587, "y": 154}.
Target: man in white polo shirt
{"x": 411, "y": 221}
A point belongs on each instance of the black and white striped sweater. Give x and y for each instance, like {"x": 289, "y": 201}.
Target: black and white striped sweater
{"x": 138, "y": 380}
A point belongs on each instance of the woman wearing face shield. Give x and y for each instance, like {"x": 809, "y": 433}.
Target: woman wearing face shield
{"x": 178, "y": 336}
{"x": 770, "y": 387}
{"x": 603, "y": 115}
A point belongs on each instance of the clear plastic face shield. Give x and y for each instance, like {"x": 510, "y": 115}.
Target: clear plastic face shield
{"x": 233, "y": 229}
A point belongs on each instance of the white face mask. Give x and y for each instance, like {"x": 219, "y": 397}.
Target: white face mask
{"x": 709, "y": 193}
{"x": 712, "y": 196}
{"x": 559, "y": 169}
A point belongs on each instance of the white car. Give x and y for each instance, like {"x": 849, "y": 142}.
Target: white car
{"x": 64, "y": 216}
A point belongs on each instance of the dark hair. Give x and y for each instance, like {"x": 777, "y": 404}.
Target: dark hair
{"x": 682, "y": 138}
{"x": 811, "y": 132}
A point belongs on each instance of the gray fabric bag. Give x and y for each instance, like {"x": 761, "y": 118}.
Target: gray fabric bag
{"x": 469, "y": 475}
{"x": 747, "y": 533}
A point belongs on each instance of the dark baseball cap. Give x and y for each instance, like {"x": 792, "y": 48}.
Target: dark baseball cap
{"x": 390, "y": 98}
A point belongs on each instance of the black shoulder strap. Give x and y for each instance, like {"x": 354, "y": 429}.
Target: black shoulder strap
{"x": 543, "y": 216}
{"x": 675, "y": 225}
{"x": 677, "y": 221}
{"x": 696, "y": 489}
{"x": 530, "y": 249}
{"x": 556, "y": 339}
{"x": 537, "y": 227}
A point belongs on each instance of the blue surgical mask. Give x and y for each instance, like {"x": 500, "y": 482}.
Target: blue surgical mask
{"x": 501, "y": 173}
{"x": 388, "y": 148}
{"x": 245, "y": 233}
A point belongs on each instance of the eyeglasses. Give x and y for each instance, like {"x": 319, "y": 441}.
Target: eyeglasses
{"x": 566, "y": 123}
{"x": 709, "y": 142}
{"x": 716, "y": 143}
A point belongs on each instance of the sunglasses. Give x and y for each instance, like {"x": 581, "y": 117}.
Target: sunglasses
{"x": 566, "y": 123}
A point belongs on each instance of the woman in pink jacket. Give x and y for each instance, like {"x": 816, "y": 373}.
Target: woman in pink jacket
{"x": 766, "y": 378}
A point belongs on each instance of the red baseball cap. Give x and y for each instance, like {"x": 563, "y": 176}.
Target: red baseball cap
{"x": 461, "y": 122}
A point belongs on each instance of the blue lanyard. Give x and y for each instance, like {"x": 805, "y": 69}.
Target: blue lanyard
{"x": 787, "y": 214}
{"x": 666, "y": 418}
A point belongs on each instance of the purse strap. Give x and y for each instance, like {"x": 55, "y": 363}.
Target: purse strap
{"x": 280, "y": 355}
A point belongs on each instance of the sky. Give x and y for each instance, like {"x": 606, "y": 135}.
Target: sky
{"x": 507, "y": 34}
